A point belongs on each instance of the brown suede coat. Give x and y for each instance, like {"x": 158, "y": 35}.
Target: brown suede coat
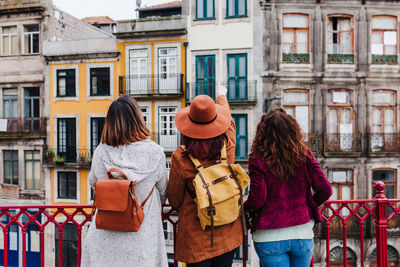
{"x": 192, "y": 243}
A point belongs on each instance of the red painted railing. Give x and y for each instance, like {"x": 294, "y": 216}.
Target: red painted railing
{"x": 344, "y": 212}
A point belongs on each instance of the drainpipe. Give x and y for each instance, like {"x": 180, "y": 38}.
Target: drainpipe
{"x": 185, "y": 44}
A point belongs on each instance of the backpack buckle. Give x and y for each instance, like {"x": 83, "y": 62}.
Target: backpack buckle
{"x": 206, "y": 185}
{"x": 211, "y": 211}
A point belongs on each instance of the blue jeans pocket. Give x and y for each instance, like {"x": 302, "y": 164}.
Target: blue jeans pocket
{"x": 306, "y": 245}
{"x": 267, "y": 248}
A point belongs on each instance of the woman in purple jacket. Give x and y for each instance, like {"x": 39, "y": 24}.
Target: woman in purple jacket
{"x": 282, "y": 172}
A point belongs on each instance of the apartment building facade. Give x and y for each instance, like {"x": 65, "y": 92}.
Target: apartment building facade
{"x": 335, "y": 67}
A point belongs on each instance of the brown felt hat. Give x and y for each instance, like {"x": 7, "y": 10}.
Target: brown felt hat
{"x": 203, "y": 119}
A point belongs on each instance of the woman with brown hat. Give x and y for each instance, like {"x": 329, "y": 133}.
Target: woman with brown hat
{"x": 205, "y": 127}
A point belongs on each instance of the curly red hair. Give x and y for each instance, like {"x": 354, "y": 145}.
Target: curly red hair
{"x": 279, "y": 141}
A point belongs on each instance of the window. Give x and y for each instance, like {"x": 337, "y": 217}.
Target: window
{"x": 241, "y": 135}
{"x": 66, "y": 139}
{"x": 66, "y": 185}
{"x": 205, "y": 9}
{"x": 342, "y": 184}
{"x": 137, "y": 81}
{"x": 9, "y": 40}
{"x": 96, "y": 129}
{"x": 205, "y": 75}
{"x": 69, "y": 245}
{"x": 236, "y": 8}
{"x": 167, "y": 70}
{"x": 10, "y": 103}
{"x": 336, "y": 257}
{"x": 295, "y": 38}
{"x": 340, "y": 39}
{"x": 296, "y": 104}
{"x": 146, "y": 116}
{"x": 383, "y": 124}
{"x": 168, "y": 135}
{"x": 384, "y": 40}
{"x": 31, "y": 39}
{"x": 32, "y": 109}
{"x": 340, "y": 120}
{"x": 393, "y": 257}
{"x": 65, "y": 83}
{"x": 99, "y": 81}
{"x": 32, "y": 169}
{"x": 237, "y": 77}
{"x": 10, "y": 163}
{"x": 239, "y": 251}
{"x": 389, "y": 177}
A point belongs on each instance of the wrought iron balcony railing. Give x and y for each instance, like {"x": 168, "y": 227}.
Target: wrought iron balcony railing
{"x": 384, "y": 142}
{"x": 334, "y": 142}
{"x": 239, "y": 90}
{"x": 21, "y": 127}
{"x": 61, "y": 156}
{"x": 296, "y": 58}
{"x": 384, "y": 59}
{"x": 340, "y": 59}
{"x": 45, "y": 226}
{"x": 151, "y": 85}
{"x": 169, "y": 140}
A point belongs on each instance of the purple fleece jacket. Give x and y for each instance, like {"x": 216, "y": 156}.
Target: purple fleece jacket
{"x": 281, "y": 204}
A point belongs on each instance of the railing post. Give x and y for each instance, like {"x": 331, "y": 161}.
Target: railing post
{"x": 381, "y": 223}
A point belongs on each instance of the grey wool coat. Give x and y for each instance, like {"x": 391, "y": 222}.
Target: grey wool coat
{"x": 144, "y": 162}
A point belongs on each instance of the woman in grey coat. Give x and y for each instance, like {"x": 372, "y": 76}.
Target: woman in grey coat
{"x": 126, "y": 146}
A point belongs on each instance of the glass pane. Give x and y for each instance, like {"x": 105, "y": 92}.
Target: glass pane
{"x": 242, "y": 66}
{"x": 31, "y": 28}
{"x": 242, "y": 7}
{"x": 390, "y": 38}
{"x": 346, "y": 192}
{"x": 27, "y": 43}
{"x": 8, "y": 30}
{"x": 28, "y": 174}
{"x": 210, "y": 8}
{"x": 232, "y": 65}
{"x": 334, "y": 193}
{"x": 289, "y": 111}
{"x": 302, "y": 42}
{"x": 383, "y": 23}
{"x": 288, "y": 42}
{"x": 231, "y": 7}
{"x": 379, "y": 97}
{"x": 295, "y": 21}
{"x": 339, "y": 176}
{"x": 344, "y": 24}
{"x": 390, "y": 50}
{"x": 346, "y": 116}
{"x": 389, "y": 121}
{"x": 210, "y": 67}
{"x": 332, "y": 121}
{"x": 200, "y": 68}
{"x": 383, "y": 175}
{"x": 200, "y": 8}
{"x": 242, "y": 126}
{"x": 14, "y": 44}
{"x": 295, "y": 97}
{"x": 345, "y": 43}
{"x": 6, "y": 45}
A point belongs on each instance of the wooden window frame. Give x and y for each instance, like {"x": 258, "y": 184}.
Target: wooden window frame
{"x": 293, "y": 105}
{"x": 383, "y": 30}
{"x": 383, "y": 106}
{"x": 343, "y": 184}
{"x": 340, "y": 107}
{"x": 339, "y": 32}
{"x": 295, "y": 30}
{"x": 394, "y": 183}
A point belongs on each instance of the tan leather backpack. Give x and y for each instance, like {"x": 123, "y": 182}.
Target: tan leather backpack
{"x": 117, "y": 206}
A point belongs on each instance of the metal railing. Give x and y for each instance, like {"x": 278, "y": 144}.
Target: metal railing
{"x": 81, "y": 156}
{"x": 44, "y": 217}
{"x": 169, "y": 141}
{"x": 342, "y": 142}
{"x": 159, "y": 84}
{"x": 384, "y": 59}
{"x": 296, "y": 58}
{"x": 239, "y": 90}
{"x": 340, "y": 59}
{"x": 384, "y": 142}
{"x": 24, "y": 126}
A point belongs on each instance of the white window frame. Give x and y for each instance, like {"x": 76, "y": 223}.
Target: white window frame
{"x": 30, "y": 38}
{"x": 10, "y": 42}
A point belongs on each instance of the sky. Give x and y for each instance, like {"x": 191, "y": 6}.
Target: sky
{"x": 115, "y": 9}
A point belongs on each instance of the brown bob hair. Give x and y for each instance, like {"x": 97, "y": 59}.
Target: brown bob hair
{"x": 279, "y": 141}
{"x": 124, "y": 123}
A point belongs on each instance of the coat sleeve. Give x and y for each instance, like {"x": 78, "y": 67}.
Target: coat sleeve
{"x": 97, "y": 170}
{"x": 321, "y": 186}
{"x": 258, "y": 187}
{"x": 162, "y": 181}
{"x": 176, "y": 184}
{"x": 231, "y": 132}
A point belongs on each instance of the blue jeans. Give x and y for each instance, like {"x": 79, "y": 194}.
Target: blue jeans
{"x": 285, "y": 253}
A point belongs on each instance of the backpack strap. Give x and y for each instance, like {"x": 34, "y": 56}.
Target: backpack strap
{"x": 223, "y": 154}
{"x": 234, "y": 177}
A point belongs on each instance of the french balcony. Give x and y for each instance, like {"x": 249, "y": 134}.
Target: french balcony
{"x": 314, "y": 141}
{"x": 384, "y": 59}
{"x": 350, "y": 144}
{"x": 296, "y": 58}
{"x": 168, "y": 139}
{"x": 340, "y": 59}
{"x": 240, "y": 92}
{"x": 23, "y": 128}
{"x": 151, "y": 86}
{"x": 67, "y": 157}
{"x": 31, "y": 233}
{"x": 384, "y": 143}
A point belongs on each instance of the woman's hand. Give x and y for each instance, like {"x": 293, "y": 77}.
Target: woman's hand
{"x": 221, "y": 90}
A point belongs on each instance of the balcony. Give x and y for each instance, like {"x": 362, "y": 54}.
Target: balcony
{"x": 151, "y": 86}
{"x": 384, "y": 143}
{"x": 23, "y": 128}
{"x": 242, "y": 92}
{"x": 69, "y": 157}
{"x": 340, "y": 59}
{"x": 45, "y": 227}
{"x": 169, "y": 140}
{"x": 296, "y": 58}
{"x": 349, "y": 144}
{"x": 384, "y": 59}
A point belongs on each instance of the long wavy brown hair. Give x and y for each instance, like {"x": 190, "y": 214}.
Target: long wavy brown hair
{"x": 279, "y": 141}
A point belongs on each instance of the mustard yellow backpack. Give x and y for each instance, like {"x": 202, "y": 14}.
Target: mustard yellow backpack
{"x": 219, "y": 192}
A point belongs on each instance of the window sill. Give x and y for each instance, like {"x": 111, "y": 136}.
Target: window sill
{"x": 66, "y": 200}
{"x": 236, "y": 17}
{"x": 204, "y": 19}
{"x": 32, "y": 54}
{"x": 100, "y": 95}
